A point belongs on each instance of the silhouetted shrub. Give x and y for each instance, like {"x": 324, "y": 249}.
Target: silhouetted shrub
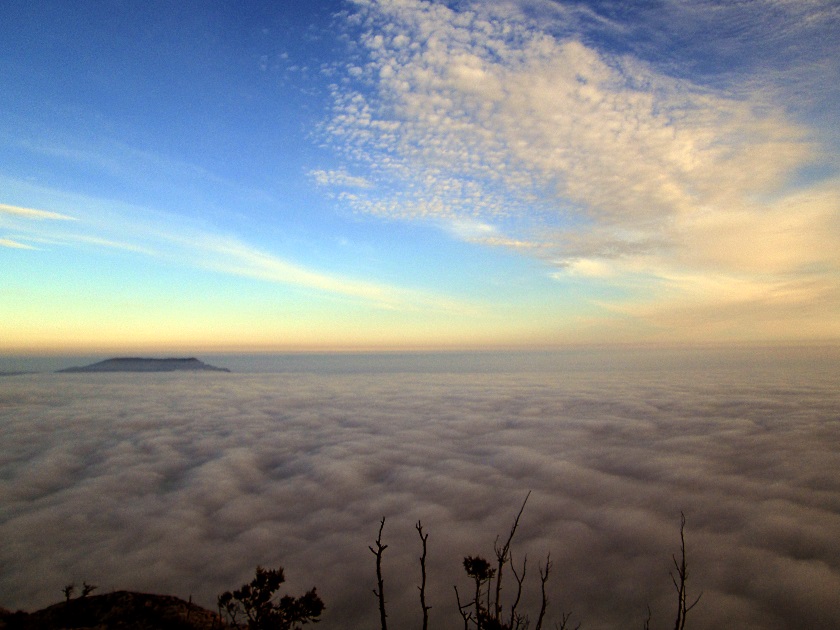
{"x": 256, "y": 601}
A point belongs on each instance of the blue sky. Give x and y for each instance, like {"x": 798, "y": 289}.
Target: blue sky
{"x": 407, "y": 174}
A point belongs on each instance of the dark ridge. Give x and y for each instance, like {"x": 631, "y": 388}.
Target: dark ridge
{"x": 122, "y": 609}
{"x": 138, "y": 364}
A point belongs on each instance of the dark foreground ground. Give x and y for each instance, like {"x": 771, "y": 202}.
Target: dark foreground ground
{"x": 121, "y": 609}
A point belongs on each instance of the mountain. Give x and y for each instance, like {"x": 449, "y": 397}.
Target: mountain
{"x": 135, "y": 364}
{"x": 121, "y": 609}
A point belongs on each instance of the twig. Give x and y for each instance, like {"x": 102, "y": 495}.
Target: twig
{"x": 564, "y": 619}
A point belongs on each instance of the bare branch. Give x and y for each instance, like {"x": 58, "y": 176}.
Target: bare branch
{"x": 564, "y": 620}
{"x": 679, "y": 581}
{"x": 464, "y": 609}
{"x": 503, "y": 556}
{"x": 543, "y": 580}
{"x": 422, "y": 587}
{"x": 693, "y": 604}
{"x": 380, "y": 593}
{"x": 519, "y": 581}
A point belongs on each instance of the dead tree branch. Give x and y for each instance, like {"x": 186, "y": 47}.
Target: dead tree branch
{"x": 422, "y": 587}
{"x": 679, "y": 581}
{"x": 379, "y": 591}
{"x": 519, "y": 581}
{"x": 464, "y": 609}
{"x": 502, "y": 557}
{"x": 544, "y": 601}
{"x": 564, "y": 621}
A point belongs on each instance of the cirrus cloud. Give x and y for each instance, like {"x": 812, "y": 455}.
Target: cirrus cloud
{"x": 32, "y": 213}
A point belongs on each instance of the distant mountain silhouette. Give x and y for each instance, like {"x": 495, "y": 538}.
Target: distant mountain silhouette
{"x": 136, "y": 364}
{"x": 122, "y": 609}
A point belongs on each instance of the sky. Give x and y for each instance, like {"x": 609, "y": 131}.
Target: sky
{"x": 377, "y": 174}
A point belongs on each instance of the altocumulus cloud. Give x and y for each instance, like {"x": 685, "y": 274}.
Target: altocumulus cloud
{"x": 589, "y": 158}
{"x": 183, "y": 484}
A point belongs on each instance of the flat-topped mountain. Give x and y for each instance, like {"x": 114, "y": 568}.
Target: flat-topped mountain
{"x": 136, "y": 364}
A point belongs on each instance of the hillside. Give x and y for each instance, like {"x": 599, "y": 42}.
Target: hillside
{"x": 122, "y": 609}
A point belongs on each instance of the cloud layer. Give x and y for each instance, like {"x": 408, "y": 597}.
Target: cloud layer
{"x": 184, "y": 483}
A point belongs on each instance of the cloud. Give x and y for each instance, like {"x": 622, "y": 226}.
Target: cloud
{"x": 510, "y": 117}
{"x": 231, "y": 256}
{"x": 786, "y": 235}
{"x": 177, "y": 240}
{"x": 590, "y": 268}
{"x": 482, "y": 233}
{"x": 183, "y": 484}
{"x": 483, "y": 116}
{"x": 30, "y": 213}
{"x": 7, "y": 242}
{"x": 339, "y": 178}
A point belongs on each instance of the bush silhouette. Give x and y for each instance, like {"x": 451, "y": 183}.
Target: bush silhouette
{"x": 256, "y": 606}
{"x": 256, "y": 601}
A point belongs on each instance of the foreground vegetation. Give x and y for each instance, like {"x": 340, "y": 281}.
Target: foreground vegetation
{"x": 257, "y": 605}
{"x": 484, "y": 609}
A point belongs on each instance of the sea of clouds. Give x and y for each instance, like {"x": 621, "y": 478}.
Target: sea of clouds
{"x": 183, "y": 483}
